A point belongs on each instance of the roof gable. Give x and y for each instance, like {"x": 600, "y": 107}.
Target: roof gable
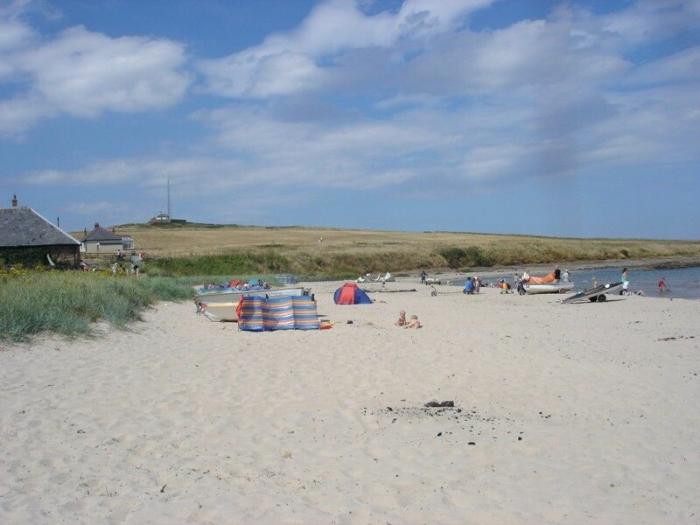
{"x": 100, "y": 234}
{"x": 25, "y": 227}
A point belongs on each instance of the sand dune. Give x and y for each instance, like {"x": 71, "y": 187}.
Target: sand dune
{"x": 564, "y": 414}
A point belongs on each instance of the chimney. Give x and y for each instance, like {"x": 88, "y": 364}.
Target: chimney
{"x": 14, "y": 201}
{"x": 58, "y": 222}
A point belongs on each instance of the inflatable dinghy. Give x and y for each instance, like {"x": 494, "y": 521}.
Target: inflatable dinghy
{"x": 596, "y": 294}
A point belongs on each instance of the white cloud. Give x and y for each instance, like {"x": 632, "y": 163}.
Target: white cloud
{"x": 256, "y": 149}
{"x": 422, "y": 50}
{"x": 92, "y": 208}
{"x": 14, "y": 35}
{"x": 440, "y": 104}
{"x": 100, "y": 173}
{"x": 262, "y": 74}
{"x": 678, "y": 67}
{"x": 531, "y": 54}
{"x": 646, "y": 21}
{"x": 19, "y": 113}
{"x": 84, "y": 74}
{"x": 288, "y": 63}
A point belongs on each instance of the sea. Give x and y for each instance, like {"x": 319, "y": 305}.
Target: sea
{"x": 680, "y": 282}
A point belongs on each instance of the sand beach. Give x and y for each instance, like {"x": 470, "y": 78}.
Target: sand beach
{"x": 563, "y": 414}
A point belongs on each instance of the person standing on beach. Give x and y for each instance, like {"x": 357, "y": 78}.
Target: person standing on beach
{"x": 662, "y": 285}
{"x": 135, "y": 262}
{"x": 625, "y": 282}
{"x": 423, "y": 277}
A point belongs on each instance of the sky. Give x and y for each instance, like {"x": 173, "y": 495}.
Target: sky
{"x": 572, "y": 118}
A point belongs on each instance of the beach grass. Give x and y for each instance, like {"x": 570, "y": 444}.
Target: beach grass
{"x": 69, "y": 303}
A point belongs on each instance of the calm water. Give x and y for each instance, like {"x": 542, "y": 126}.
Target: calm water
{"x": 681, "y": 282}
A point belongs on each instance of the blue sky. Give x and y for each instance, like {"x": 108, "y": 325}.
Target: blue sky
{"x": 576, "y": 118}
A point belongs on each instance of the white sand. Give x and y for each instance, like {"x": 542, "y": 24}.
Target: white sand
{"x": 181, "y": 420}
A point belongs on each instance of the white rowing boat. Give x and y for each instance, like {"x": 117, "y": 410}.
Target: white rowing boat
{"x": 553, "y": 287}
{"x": 220, "y": 305}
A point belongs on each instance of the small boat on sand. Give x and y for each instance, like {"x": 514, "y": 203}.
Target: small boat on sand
{"x": 553, "y": 287}
{"x": 550, "y": 283}
{"x": 595, "y": 295}
{"x": 220, "y": 304}
{"x": 380, "y": 278}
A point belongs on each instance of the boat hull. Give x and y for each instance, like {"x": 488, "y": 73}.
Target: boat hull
{"x": 556, "y": 287}
{"x": 596, "y": 294}
{"x": 221, "y": 305}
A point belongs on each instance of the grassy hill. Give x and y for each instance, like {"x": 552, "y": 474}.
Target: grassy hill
{"x": 215, "y": 249}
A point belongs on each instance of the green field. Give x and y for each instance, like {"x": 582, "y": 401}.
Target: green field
{"x": 328, "y": 253}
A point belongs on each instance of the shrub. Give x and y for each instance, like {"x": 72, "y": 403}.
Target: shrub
{"x": 460, "y": 257}
{"x": 453, "y": 256}
{"x": 249, "y": 262}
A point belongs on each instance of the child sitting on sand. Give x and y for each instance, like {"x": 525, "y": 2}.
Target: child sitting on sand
{"x": 401, "y": 321}
{"x": 414, "y": 322}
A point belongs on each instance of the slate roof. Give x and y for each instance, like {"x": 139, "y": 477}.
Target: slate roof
{"x": 100, "y": 234}
{"x": 25, "y": 227}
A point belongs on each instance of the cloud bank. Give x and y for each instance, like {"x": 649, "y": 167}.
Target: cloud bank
{"x": 83, "y": 74}
{"x": 418, "y": 96}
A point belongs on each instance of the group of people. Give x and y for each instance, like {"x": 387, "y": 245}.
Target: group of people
{"x": 472, "y": 285}
{"x": 404, "y": 323}
{"x": 506, "y": 287}
{"x": 135, "y": 259}
{"x": 253, "y": 284}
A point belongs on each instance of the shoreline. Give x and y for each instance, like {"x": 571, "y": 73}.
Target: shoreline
{"x": 651, "y": 263}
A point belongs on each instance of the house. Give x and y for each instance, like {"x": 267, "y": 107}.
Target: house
{"x": 161, "y": 218}
{"x": 164, "y": 218}
{"x": 102, "y": 241}
{"x": 26, "y": 237}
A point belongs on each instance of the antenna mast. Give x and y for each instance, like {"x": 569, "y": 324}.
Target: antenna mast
{"x": 168, "y": 197}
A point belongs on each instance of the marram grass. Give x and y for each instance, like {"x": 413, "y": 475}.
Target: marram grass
{"x": 69, "y": 303}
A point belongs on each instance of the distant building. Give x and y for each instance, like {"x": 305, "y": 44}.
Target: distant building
{"x": 102, "y": 241}
{"x": 27, "y": 237}
{"x": 164, "y": 218}
{"x": 161, "y": 218}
